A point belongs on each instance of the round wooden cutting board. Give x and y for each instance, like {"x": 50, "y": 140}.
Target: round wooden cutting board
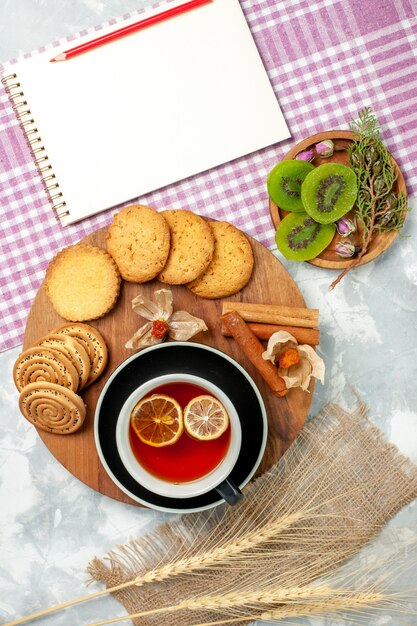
{"x": 270, "y": 283}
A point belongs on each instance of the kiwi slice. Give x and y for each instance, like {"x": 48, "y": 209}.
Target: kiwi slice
{"x": 284, "y": 184}
{"x": 329, "y": 192}
{"x": 300, "y": 238}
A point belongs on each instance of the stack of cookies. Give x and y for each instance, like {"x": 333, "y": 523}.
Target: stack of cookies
{"x": 51, "y": 373}
{"x": 213, "y": 259}
{"x": 177, "y": 247}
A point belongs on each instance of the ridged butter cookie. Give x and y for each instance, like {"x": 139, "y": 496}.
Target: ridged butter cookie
{"x": 52, "y": 408}
{"x": 138, "y": 239}
{"x": 231, "y": 266}
{"x": 73, "y": 350}
{"x": 82, "y": 282}
{"x": 42, "y": 364}
{"x": 93, "y": 342}
{"x": 192, "y": 246}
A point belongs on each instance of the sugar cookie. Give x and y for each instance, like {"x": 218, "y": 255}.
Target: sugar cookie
{"x": 192, "y": 246}
{"x": 138, "y": 239}
{"x": 231, "y": 266}
{"x": 82, "y": 282}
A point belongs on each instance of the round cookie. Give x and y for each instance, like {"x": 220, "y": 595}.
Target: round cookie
{"x": 231, "y": 266}
{"x": 93, "y": 342}
{"x": 192, "y": 246}
{"x": 40, "y": 364}
{"x": 138, "y": 239}
{"x": 73, "y": 350}
{"x": 82, "y": 282}
{"x": 52, "y": 408}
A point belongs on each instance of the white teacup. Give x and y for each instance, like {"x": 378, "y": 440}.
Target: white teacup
{"x": 216, "y": 479}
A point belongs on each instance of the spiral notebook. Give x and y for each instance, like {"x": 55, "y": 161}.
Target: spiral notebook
{"x": 147, "y": 110}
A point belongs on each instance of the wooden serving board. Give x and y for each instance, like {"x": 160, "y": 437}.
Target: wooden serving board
{"x": 380, "y": 241}
{"x": 270, "y": 283}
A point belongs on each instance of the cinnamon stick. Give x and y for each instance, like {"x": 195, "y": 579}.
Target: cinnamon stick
{"x": 253, "y": 349}
{"x": 309, "y": 336}
{"x": 274, "y": 314}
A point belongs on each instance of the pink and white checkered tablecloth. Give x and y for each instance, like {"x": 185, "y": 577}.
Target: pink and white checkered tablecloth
{"x": 326, "y": 59}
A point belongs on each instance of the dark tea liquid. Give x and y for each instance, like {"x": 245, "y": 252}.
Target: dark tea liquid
{"x": 188, "y": 458}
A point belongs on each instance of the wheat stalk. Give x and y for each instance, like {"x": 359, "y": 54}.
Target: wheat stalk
{"x": 186, "y": 565}
{"x": 262, "y": 533}
{"x": 352, "y": 602}
{"x": 329, "y": 600}
{"x": 223, "y": 553}
{"x": 290, "y": 520}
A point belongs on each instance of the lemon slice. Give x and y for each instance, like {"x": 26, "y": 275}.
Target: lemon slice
{"x": 157, "y": 420}
{"x": 205, "y": 418}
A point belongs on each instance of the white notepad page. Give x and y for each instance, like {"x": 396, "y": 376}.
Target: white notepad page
{"x": 152, "y": 108}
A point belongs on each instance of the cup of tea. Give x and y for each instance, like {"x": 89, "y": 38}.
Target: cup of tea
{"x": 190, "y": 466}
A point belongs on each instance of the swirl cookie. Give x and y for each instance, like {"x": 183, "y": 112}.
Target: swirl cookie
{"x": 231, "y": 266}
{"x": 192, "y": 246}
{"x": 82, "y": 282}
{"x": 73, "y": 350}
{"x": 41, "y": 364}
{"x": 52, "y": 408}
{"x": 93, "y": 342}
{"x": 138, "y": 239}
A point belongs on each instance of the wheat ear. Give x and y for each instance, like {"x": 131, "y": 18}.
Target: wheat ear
{"x": 295, "y": 480}
{"x": 294, "y": 595}
{"x": 350, "y": 603}
{"x": 198, "y": 561}
{"x": 220, "y": 554}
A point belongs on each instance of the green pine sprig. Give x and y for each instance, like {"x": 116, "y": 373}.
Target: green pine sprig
{"x": 378, "y": 207}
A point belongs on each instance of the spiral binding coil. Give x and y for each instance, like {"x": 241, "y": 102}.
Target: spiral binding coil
{"x": 24, "y": 116}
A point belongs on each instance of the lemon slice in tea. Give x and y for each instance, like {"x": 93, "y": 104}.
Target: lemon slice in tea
{"x": 157, "y": 420}
{"x": 205, "y": 418}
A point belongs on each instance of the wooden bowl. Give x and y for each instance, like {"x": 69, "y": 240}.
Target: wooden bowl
{"x": 380, "y": 242}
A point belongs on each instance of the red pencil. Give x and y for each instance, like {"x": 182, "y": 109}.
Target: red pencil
{"x": 127, "y": 30}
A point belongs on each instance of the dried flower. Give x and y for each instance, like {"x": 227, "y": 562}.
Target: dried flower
{"x": 289, "y": 357}
{"x": 160, "y": 329}
{"x": 163, "y": 322}
{"x": 307, "y": 155}
{"x": 345, "y": 249}
{"x": 309, "y": 363}
{"x": 345, "y": 226}
{"x": 325, "y": 148}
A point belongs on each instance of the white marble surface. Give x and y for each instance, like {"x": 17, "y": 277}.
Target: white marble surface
{"x": 52, "y": 525}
